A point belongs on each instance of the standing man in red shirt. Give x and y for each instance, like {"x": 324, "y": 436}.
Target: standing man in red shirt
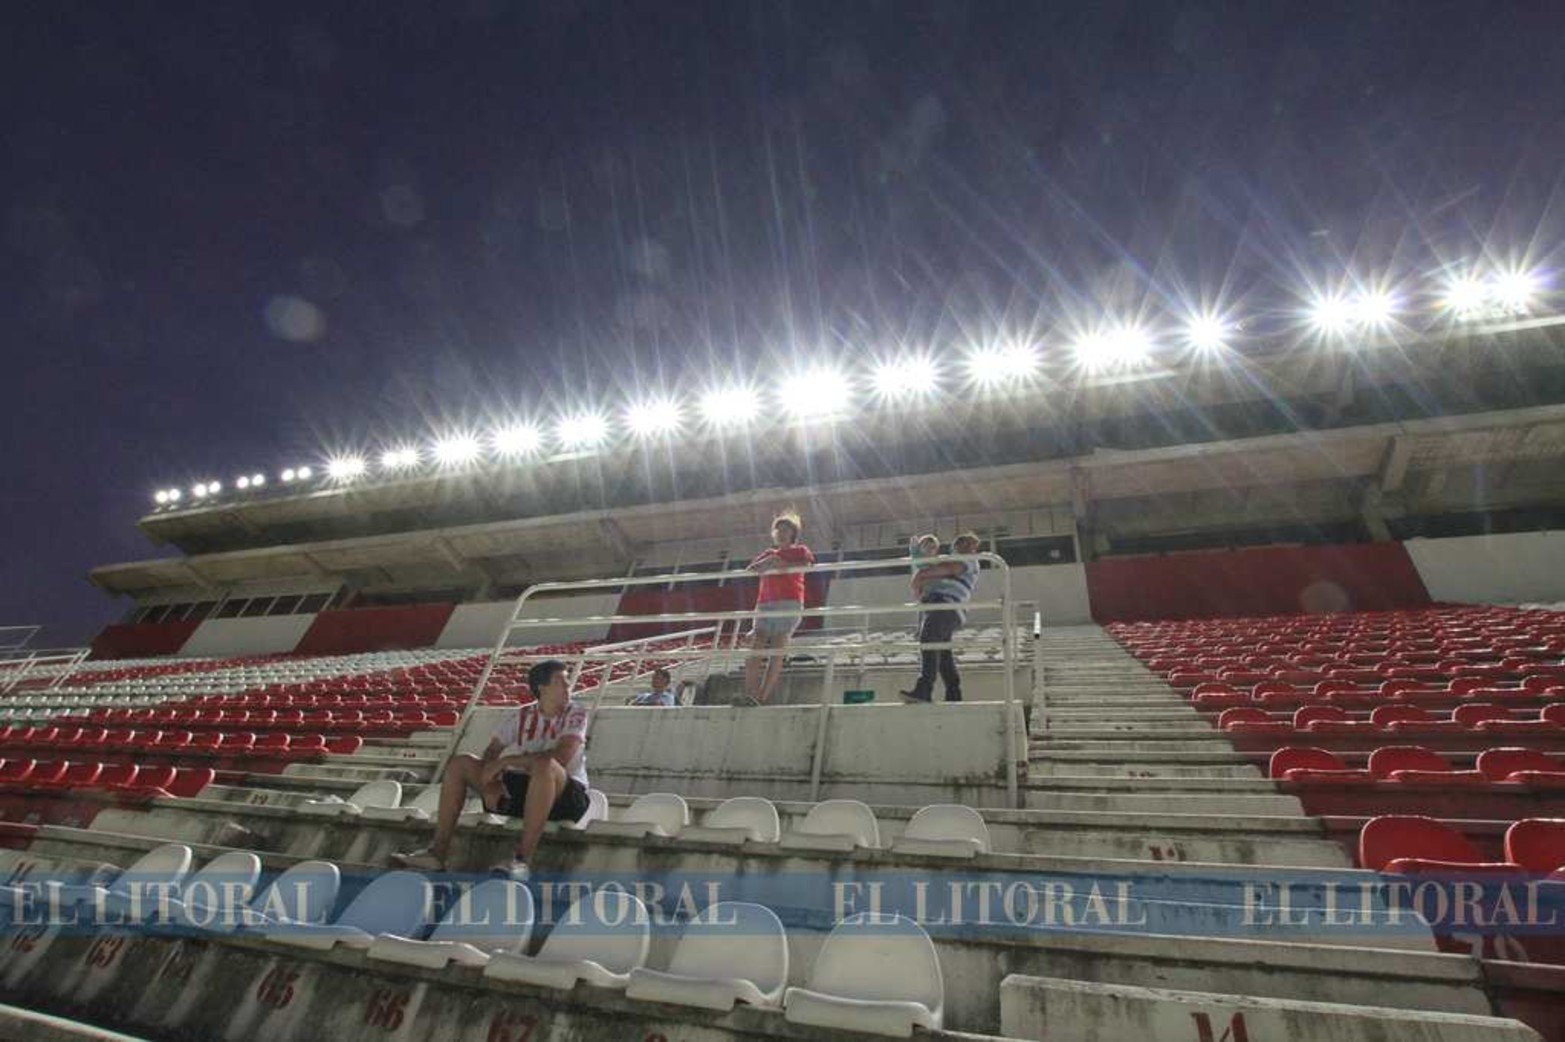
{"x": 779, "y": 605}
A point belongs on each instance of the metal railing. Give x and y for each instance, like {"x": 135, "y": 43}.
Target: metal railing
{"x": 19, "y": 666}
{"x": 15, "y": 638}
{"x": 1005, "y": 605}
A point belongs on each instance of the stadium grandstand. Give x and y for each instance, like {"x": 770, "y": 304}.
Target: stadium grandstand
{"x": 1262, "y": 734}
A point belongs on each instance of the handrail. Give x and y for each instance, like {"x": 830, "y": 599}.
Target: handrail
{"x": 23, "y": 634}
{"x": 995, "y": 561}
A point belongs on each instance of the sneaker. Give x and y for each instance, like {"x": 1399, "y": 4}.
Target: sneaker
{"x": 913, "y": 698}
{"x": 516, "y": 871}
{"x": 423, "y": 859}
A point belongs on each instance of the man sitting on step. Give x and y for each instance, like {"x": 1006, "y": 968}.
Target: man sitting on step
{"x": 534, "y": 768}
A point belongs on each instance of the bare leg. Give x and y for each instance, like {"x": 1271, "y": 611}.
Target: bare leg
{"x": 752, "y": 667}
{"x": 774, "y": 669}
{"x": 545, "y": 782}
{"x": 462, "y": 773}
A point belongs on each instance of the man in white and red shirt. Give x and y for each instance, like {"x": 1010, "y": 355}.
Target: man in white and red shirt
{"x": 534, "y": 768}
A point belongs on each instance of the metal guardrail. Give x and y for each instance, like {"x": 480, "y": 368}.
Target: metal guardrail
{"x": 14, "y": 670}
{"x": 1005, "y": 605}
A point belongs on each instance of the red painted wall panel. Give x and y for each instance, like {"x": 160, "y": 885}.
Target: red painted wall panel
{"x": 736, "y": 596}
{"x": 350, "y": 630}
{"x": 1272, "y": 580}
{"x": 142, "y": 639}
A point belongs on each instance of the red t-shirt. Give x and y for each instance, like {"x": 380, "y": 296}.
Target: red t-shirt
{"x": 776, "y": 587}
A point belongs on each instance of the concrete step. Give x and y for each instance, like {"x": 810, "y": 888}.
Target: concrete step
{"x": 1164, "y": 803}
{"x": 1142, "y": 765}
{"x": 1088, "y": 1011}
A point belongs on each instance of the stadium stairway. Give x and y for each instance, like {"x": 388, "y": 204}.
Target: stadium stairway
{"x": 1128, "y": 785}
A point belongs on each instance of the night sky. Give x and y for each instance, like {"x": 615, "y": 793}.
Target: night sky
{"x": 238, "y": 233}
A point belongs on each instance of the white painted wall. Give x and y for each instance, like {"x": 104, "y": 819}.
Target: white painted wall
{"x": 1524, "y": 566}
{"x": 479, "y": 625}
{"x": 263, "y": 636}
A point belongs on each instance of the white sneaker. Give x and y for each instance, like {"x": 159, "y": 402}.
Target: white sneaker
{"x": 423, "y": 859}
{"x": 516, "y": 871}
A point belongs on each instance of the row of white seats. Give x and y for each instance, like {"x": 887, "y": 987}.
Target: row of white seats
{"x": 878, "y": 974}
{"x": 941, "y": 829}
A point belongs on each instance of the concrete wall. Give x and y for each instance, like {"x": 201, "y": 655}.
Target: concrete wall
{"x": 263, "y": 636}
{"x": 1059, "y": 590}
{"x": 1526, "y": 566}
{"x": 479, "y": 625}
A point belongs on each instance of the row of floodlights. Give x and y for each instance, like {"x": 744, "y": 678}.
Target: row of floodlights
{"x": 823, "y": 392}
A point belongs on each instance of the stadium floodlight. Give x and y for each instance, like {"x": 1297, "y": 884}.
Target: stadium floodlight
{"x": 289, "y": 474}
{"x": 996, "y": 365}
{"x": 306, "y": 473}
{"x": 730, "y": 407}
{"x": 1208, "y": 331}
{"x": 517, "y": 439}
{"x": 161, "y": 497}
{"x": 242, "y": 484}
{"x": 343, "y": 468}
{"x": 905, "y": 378}
{"x": 1465, "y": 296}
{"x": 815, "y": 394}
{"x": 1118, "y": 346}
{"x": 1332, "y": 314}
{"x": 457, "y": 450}
{"x": 198, "y": 490}
{"x": 1514, "y": 290}
{"x": 173, "y": 495}
{"x": 257, "y": 480}
{"x": 214, "y": 487}
{"x": 583, "y": 430}
{"x": 399, "y": 458}
{"x": 652, "y": 417}
{"x": 1374, "y": 308}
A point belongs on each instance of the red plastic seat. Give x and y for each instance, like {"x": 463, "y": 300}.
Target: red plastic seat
{"x": 118, "y": 774}
{"x": 1330, "y": 719}
{"x": 1416, "y": 765}
{"x": 1474, "y": 713}
{"x": 13, "y": 771}
{"x": 1500, "y": 764}
{"x": 189, "y": 781}
{"x": 1543, "y": 685}
{"x": 157, "y": 776}
{"x": 48, "y": 772}
{"x": 343, "y": 744}
{"x": 1311, "y": 766}
{"x": 1521, "y": 727}
{"x": 1412, "y": 844}
{"x": 1386, "y": 715}
{"x": 205, "y": 740}
{"x": 236, "y": 741}
{"x": 272, "y": 740}
{"x": 1537, "y": 844}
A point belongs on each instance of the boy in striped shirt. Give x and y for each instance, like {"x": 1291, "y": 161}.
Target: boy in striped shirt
{"x": 950, "y": 582}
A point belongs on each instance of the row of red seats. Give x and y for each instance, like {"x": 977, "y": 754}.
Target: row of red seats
{"x": 274, "y": 744}
{"x": 1419, "y": 765}
{"x": 1413, "y": 844}
{"x": 1346, "y": 678}
{"x": 263, "y": 701}
{"x": 1210, "y": 694}
{"x": 60, "y": 776}
{"x": 409, "y": 720}
{"x": 1480, "y": 717}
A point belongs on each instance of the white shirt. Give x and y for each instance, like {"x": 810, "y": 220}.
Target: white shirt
{"x": 527, "y": 732}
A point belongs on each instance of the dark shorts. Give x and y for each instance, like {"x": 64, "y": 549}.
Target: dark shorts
{"x": 569, "y": 805}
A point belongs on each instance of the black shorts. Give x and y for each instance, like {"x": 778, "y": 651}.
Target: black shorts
{"x": 569, "y": 805}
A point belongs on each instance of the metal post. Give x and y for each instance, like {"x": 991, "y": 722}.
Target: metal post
{"x": 1008, "y": 656}
{"x": 817, "y": 759}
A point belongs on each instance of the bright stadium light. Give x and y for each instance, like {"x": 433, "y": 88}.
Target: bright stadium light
{"x": 306, "y": 473}
{"x": 814, "y": 394}
{"x": 1374, "y": 308}
{"x": 517, "y": 439}
{"x": 400, "y": 458}
{"x": 1332, "y": 314}
{"x": 1465, "y": 296}
{"x": 585, "y": 430}
{"x": 1119, "y": 346}
{"x": 257, "y": 480}
{"x": 342, "y": 468}
{"x": 214, "y": 487}
{"x": 289, "y": 474}
{"x": 173, "y": 495}
{"x": 906, "y": 378}
{"x": 198, "y": 490}
{"x": 1514, "y": 290}
{"x": 161, "y": 497}
{"x": 996, "y": 365}
{"x": 729, "y": 407}
{"x": 242, "y": 483}
{"x": 1208, "y": 331}
{"x": 652, "y": 417}
{"x": 457, "y": 450}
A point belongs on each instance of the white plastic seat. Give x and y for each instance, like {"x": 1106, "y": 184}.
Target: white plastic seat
{"x": 157, "y": 872}
{"x": 597, "y": 810}
{"x": 382, "y": 792}
{"x": 303, "y": 894}
{"x": 424, "y": 807}
{"x": 655, "y": 814}
{"x": 877, "y": 974}
{"x": 604, "y": 936}
{"x": 473, "y": 813}
{"x": 217, "y": 891}
{"x": 732, "y": 952}
{"x": 944, "y": 830}
{"x": 840, "y": 825}
{"x": 738, "y": 820}
{"x": 395, "y": 903}
{"x": 494, "y": 916}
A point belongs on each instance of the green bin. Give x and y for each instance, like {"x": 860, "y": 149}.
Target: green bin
{"x": 857, "y": 698}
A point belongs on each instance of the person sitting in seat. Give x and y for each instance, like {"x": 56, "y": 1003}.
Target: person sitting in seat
{"x": 660, "y": 695}
{"x": 950, "y": 582}
{"x": 534, "y": 768}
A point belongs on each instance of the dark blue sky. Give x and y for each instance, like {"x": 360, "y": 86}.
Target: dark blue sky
{"x": 236, "y": 232}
